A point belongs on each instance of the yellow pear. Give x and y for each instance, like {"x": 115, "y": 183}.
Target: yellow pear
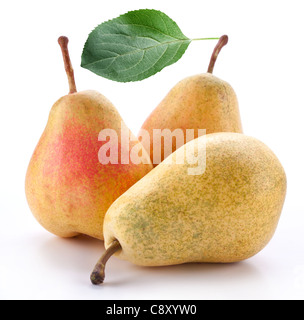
{"x": 199, "y": 102}
{"x": 221, "y": 205}
{"x": 69, "y": 184}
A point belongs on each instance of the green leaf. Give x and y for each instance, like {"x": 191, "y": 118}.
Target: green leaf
{"x": 134, "y": 46}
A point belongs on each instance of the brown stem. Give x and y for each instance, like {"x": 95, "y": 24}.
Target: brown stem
{"x": 98, "y": 275}
{"x": 222, "y": 42}
{"x": 63, "y": 42}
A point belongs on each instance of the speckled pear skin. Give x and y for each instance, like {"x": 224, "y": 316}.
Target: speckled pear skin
{"x": 68, "y": 189}
{"x": 199, "y": 102}
{"x": 226, "y": 215}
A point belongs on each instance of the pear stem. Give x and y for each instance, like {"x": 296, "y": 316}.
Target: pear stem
{"x": 63, "y": 42}
{"x": 98, "y": 275}
{"x": 222, "y": 42}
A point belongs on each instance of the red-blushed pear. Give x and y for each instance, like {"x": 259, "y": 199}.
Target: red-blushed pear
{"x": 199, "y": 102}
{"x": 70, "y": 183}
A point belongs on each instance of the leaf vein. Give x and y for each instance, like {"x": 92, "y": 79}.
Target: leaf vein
{"x": 149, "y": 27}
{"x": 153, "y": 65}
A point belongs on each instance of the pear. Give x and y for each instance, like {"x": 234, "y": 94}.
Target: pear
{"x": 173, "y": 216}
{"x": 69, "y": 186}
{"x": 199, "y": 102}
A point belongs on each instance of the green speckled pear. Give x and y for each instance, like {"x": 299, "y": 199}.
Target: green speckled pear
{"x": 227, "y": 214}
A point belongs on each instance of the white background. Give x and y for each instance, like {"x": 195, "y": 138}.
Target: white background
{"x": 264, "y": 62}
